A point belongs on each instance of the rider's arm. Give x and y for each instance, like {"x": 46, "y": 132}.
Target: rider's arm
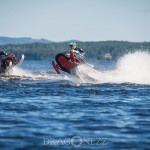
{"x": 80, "y": 50}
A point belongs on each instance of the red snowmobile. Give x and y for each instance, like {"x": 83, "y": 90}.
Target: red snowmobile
{"x": 68, "y": 61}
{"x": 8, "y": 61}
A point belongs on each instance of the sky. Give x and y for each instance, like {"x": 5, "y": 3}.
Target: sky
{"x": 85, "y": 20}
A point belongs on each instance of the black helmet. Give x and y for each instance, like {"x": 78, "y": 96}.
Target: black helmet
{"x": 2, "y": 52}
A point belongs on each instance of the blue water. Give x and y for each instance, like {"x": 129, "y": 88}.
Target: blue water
{"x": 55, "y": 112}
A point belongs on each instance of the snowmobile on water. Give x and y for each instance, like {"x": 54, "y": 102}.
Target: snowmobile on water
{"x": 8, "y": 61}
{"x": 69, "y": 60}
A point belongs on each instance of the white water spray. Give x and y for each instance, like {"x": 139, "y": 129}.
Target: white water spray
{"x": 131, "y": 68}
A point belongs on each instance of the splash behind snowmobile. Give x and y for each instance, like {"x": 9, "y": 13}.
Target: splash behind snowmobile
{"x": 68, "y": 61}
{"x": 7, "y": 63}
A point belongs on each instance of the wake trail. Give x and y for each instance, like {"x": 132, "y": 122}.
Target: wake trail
{"x": 21, "y": 74}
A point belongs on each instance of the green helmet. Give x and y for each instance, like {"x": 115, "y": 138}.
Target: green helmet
{"x": 73, "y": 45}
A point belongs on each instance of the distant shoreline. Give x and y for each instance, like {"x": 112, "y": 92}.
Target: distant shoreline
{"x": 94, "y": 50}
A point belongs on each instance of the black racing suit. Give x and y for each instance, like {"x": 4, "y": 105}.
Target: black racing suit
{"x": 3, "y": 61}
{"x": 79, "y": 50}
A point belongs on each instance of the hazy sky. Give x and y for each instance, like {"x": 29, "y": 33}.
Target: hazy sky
{"x": 86, "y": 20}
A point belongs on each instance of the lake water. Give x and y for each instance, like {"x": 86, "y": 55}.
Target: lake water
{"x": 105, "y": 108}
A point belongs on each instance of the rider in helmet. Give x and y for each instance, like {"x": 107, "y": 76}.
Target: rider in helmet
{"x": 2, "y": 53}
{"x": 74, "y": 47}
{"x": 4, "y": 57}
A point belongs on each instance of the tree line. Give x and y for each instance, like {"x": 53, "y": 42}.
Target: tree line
{"x": 93, "y": 50}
